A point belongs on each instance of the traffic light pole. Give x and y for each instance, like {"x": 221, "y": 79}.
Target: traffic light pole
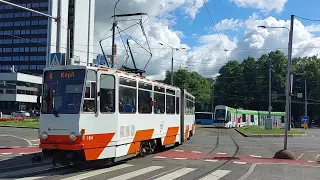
{"x": 305, "y": 98}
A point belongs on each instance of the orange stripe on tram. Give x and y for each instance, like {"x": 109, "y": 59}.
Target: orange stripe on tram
{"x": 186, "y": 134}
{"x": 140, "y": 135}
{"x": 171, "y": 135}
{"x": 193, "y": 128}
{"x": 102, "y": 139}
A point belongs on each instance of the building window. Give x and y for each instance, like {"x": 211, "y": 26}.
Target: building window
{"x": 1, "y": 24}
{"x": 145, "y": 98}
{"x": 27, "y": 49}
{"x": 7, "y": 41}
{"x": 107, "y": 93}
{"x": 27, "y": 31}
{"x": 34, "y": 31}
{"x": 21, "y": 49}
{"x": 9, "y": 15}
{"x": 17, "y": 32}
{"x": 28, "y": 24}
{"x": 35, "y": 22}
{"x": 43, "y": 4}
{"x": 7, "y": 49}
{"x": 41, "y": 67}
{"x": 33, "y": 49}
{"x": 18, "y": 23}
{"x": 16, "y": 41}
{"x": 16, "y": 49}
{"x": 33, "y": 67}
{"x": 35, "y": 5}
{"x": 127, "y": 95}
{"x": 23, "y": 31}
{"x": 42, "y": 31}
{"x": 17, "y": 14}
{"x": 8, "y": 32}
{"x": 15, "y": 58}
{"x": 0, "y": 49}
{"x": 43, "y": 22}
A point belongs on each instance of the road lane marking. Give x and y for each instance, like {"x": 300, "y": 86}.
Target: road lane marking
{"x": 311, "y": 161}
{"x": 317, "y": 156}
{"x": 35, "y": 140}
{"x": 2, "y": 147}
{"x": 250, "y": 171}
{"x": 51, "y": 174}
{"x": 26, "y": 171}
{"x": 238, "y": 162}
{"x": 179, "y": 150}
{"x": 221, "y": 153}
{"x": 300, "y": 156}
{"x": 136, "y": 173}
{"x": 216, "y": 175}
{"x": 97, "y": 172}
{"x": 180, "y": 158}
{"x": 6, "y": 153}
{"x": 15, "y": 146}
{"x": 176, "y": 174}
{"x": 196, "y": 152}
{"x": 312, "y": 136}
{"x": 5, "y": 135}
{"x": 159, "y": 157}
{"x": 255, "y": 156}
{"x": 211, "y": 160}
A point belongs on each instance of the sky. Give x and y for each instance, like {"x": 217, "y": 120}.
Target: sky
{"x": 205, "y": 45}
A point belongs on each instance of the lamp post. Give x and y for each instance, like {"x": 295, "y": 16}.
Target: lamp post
{"x": 288, "y": 99}
{"x": 171, "y": 59}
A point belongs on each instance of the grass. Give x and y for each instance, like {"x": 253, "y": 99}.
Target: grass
{"x": 260, "y": 130}
{"x": 26, "y": 123}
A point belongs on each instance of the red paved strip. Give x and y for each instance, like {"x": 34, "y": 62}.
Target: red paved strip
{"x": 175, "y": 154}
{"x": 20, "y": 150}
{"x": 253, "y": 160}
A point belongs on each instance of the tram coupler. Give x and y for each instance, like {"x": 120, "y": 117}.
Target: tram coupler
{"x": 37, "y": 158}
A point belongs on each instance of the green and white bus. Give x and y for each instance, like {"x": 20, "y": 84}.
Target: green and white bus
{"x": 228, "y": 117}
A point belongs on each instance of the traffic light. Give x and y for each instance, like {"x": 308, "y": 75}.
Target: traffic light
{"x": 297, "y": 84}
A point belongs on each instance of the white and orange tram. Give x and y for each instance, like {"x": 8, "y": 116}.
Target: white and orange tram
{"x": 92, "y": 113}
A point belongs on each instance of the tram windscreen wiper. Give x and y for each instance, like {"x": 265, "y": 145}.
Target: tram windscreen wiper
{"x": 55, "y": 112}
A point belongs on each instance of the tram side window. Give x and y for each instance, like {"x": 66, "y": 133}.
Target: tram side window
{"x": 159, "y": 100}
{"x": 145, "y": 98}
{"x": 252, "y": 118}
{"x": 90, "y": 94}
{"x": 170, "y": 101}
{"x": 127, "y": 96}
{"x": 282, "y": 119}
{"x": 107, "y": 93}
{"x": 243, "y": 118}
{"x": 177, "y": 105}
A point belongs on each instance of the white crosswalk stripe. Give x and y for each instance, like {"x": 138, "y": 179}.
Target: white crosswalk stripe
{"x": 216, "y": 175}
{"x": 98, "y": 172}
{"x": 120, "y": 172}
{"x": 136, "y": 173}
{"x": 176, "y": 174}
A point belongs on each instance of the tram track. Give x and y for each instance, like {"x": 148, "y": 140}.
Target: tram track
{"x": 235, "y": 154}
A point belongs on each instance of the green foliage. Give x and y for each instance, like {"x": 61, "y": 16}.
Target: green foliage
{"x": 246, "y": 85}
{"x": 195, "y": 84}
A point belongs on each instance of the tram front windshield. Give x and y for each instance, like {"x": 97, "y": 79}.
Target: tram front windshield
{"x": 62, "y": 91}
{"x": 220, "y": 115}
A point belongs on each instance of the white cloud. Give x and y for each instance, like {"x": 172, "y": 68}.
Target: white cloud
{"x": 193, "y": 6}
{"x": 229, "y": 24}
{"x": 264, "y": 5}
{"x": 313, "y": 28}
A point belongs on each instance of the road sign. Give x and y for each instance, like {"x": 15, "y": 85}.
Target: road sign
{"x": 55, "y": 59}
{"x": 304, "y": 119}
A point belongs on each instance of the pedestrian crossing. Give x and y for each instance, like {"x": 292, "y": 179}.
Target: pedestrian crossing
{"x": 116, "y": 172}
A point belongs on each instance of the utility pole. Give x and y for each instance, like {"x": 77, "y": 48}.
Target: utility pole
{"x": 172, "y": 68}
{"x": 57, "y": 19}
{"x": 213, "y": 82}
{"x": 288, "y": 84}
{"x": 305, "y": 99}
{"x": 114, "y": 24}
{"x": 270, "y": 107}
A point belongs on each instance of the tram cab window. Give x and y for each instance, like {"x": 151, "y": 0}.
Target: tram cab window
{"x": 127, "y": 95}
{"x": 89, "y": 103}
{"x": 145, "y": 98}
{"x": 177, "y": 105}
{"x": 107, "y": 93}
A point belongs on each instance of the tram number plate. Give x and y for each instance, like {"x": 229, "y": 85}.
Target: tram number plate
{"x": 89, "y": 138}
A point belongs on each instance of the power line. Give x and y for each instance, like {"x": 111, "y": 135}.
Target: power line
{"x": 317, "y": 20}
{"x": 205, "y": 5}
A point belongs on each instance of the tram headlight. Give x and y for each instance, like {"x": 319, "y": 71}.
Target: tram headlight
{"x": 44, "y": 136}
{"x": 72, "y": 136}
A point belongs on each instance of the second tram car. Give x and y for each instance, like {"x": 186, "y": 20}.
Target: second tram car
{"x": 227, "y": 117}
{"x": 91, "y": 113}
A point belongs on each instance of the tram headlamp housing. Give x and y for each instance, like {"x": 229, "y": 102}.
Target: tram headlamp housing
{"x": 72, "y": 136}
{"x": 44, "y": 136}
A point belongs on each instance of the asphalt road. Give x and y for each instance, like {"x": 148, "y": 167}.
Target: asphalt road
{"x": 208, "y": 155}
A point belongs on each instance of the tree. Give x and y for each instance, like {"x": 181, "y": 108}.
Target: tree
{"x": 195, "y": 84}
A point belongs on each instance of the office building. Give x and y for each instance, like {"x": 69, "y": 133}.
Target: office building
{"x": 27, "y": 38}
{"x": 19, "y": 91}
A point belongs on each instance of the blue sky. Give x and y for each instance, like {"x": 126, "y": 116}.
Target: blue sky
{"x": 224, "y": 9}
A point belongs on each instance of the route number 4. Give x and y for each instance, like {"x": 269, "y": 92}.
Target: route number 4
{"x": 89, "y": 138}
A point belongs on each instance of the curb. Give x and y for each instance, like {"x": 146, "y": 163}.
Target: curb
{"x": 24, "y": 127}
{"x": 270, "y": 135}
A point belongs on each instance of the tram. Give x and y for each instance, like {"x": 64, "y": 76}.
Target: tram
{"x": 227, "y": 117}
{"x": 92, "y": 113}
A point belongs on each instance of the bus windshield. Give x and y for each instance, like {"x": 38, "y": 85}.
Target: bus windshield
{"x": 220, "y": 114}
{"x": 62, "y": 91}
{"x": 203, "y": 116}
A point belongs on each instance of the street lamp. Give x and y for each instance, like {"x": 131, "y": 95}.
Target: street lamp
{"x": 171, "y": 59}
{"x": 287, "y": 78}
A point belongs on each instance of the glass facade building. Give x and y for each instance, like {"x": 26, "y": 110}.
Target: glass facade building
{"x": 23, "y": 36}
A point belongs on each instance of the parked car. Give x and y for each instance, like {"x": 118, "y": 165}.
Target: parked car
{"x": 20, "y": 114}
